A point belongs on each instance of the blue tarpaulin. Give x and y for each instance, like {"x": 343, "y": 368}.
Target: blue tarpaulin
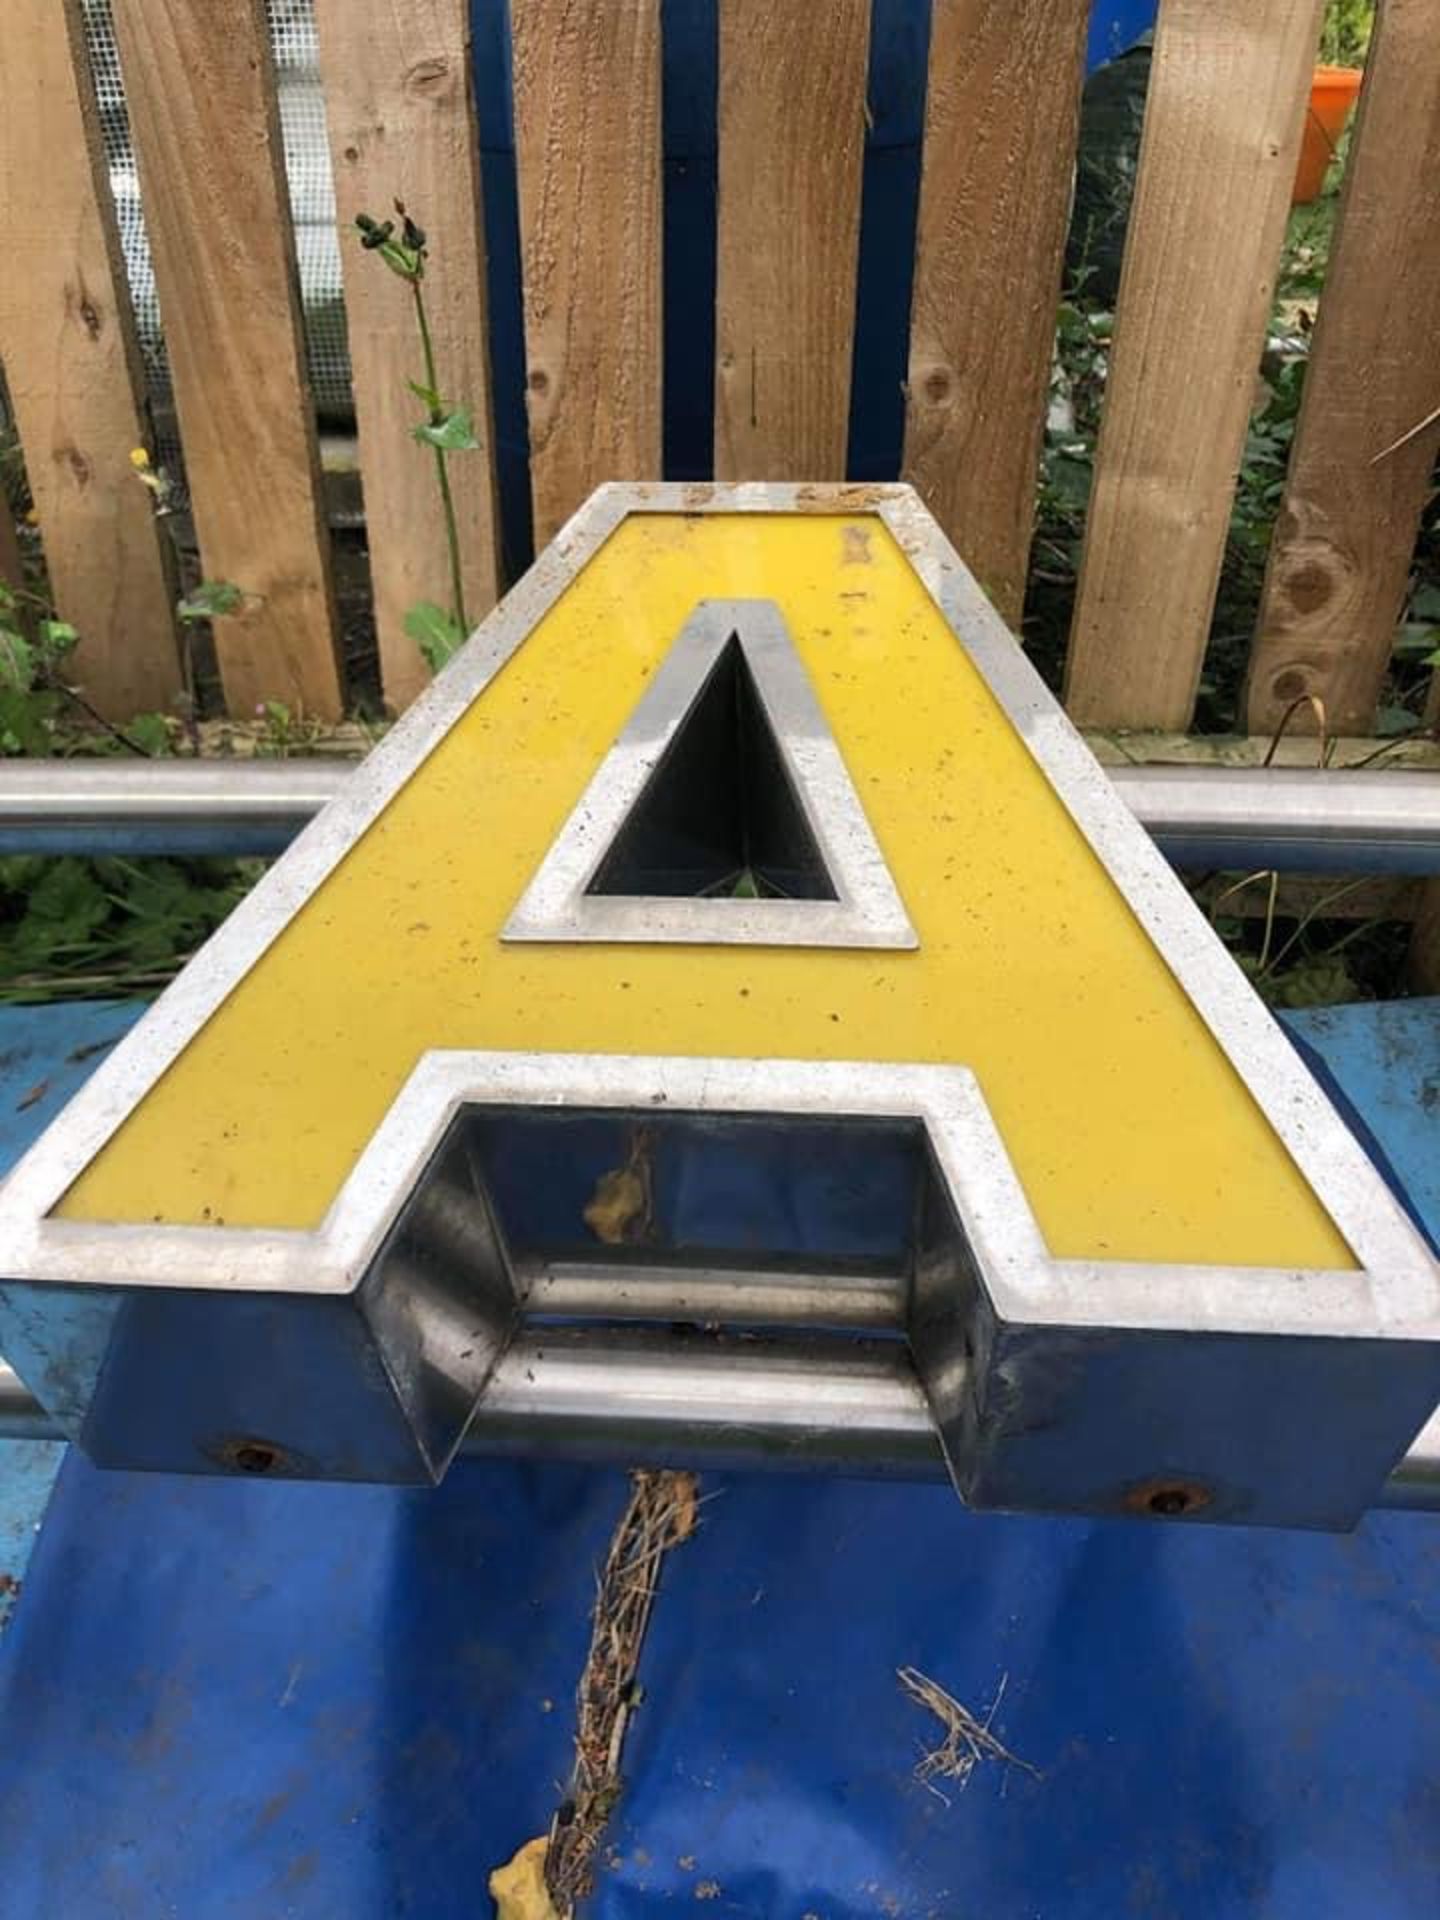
{"x": 237, "y": 1699}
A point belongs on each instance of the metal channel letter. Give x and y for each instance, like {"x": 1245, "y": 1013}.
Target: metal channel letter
{"x": 764, "y": 860}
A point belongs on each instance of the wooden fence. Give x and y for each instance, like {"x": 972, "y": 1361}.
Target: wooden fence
{"x": 1227, "y": 98}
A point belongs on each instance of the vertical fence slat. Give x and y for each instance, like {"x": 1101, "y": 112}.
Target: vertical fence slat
{"x": 1228, "y": 92}
{"x": 588, "y": 159}
{"x": 1000, "y": 121}
{"x": 204, "y": 117}
{"x": 400, "y": 110}
{"x": 792, "y": 132}
{"x": 1346, "y": 532}
{"x": 68, "y": 343}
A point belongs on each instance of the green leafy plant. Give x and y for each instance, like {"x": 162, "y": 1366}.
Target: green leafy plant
{"x": 1077, "y": 390}
{"x": 438, "y": 631}
{"x": 73, "y": 928}
{"x": 283, "y": 731}
{"x": 38, "y": 696}
{"x": 1310, "y": 956}
{"x": 196, "y": 610}
{"x": 210, "y": 598}
{"x": 205, "y": 602}
{"x": 33, "y": 646}
{"x": 38, "y": 692}
{"x": 1345, "y": 35}
{"x": 1418, "y": 637}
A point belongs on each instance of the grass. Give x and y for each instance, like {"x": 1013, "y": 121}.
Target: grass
{"x": 108, "y": 928}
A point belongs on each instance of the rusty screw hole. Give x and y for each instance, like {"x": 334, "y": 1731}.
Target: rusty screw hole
{"x": 1168, "y": 1499}
{"x": 250, "y": 1453}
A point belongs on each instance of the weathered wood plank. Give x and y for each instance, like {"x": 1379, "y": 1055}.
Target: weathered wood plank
{"x": 401, "y": 116}
{"x": 1000, "y": 123}
{"x": 1228, "y": 93}
{"x": 792, "y": 130}
{"x": 1343, "y": 543}
{"x": 588, "y": 156}
{"x": 203, "y": 114}
{"x": 68, "y": 343}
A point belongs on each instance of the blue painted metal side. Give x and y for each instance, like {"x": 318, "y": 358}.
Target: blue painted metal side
{"x": 241, "y": 1699}
{"x": 27, "y": 1473}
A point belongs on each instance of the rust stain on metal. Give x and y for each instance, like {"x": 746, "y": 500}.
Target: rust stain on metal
{"x": 249, "y": 1454}
{"x": 1168, "y": 1498}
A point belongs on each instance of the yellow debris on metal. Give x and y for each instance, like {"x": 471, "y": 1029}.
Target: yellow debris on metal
{"x": 518, "y": 1888}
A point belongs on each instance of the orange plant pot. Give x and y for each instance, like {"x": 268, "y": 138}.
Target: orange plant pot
{"x": 1332, "y": 95}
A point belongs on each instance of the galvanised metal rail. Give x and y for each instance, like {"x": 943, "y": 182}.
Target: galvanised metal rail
{"x": 1298, "y": 820}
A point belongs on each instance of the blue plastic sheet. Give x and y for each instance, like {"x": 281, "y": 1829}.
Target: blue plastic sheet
{"x": 46, "y": 1053}
{"x": 245, "y": 1699}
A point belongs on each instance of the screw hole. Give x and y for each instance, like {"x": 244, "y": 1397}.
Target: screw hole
{"x": 249, "y": 1454}
{"x": 1169, "y": 1499}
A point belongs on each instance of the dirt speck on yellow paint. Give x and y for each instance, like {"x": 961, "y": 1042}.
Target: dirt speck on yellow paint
{"x": 855, "y": 546}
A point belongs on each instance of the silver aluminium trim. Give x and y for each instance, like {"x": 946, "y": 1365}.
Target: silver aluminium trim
{"x": 867, "y": 911}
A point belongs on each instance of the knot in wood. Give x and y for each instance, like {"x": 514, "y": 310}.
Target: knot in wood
{"x": 1292, "y": 684}
{"x": 937, "y": 385}
{"x": 431, "y": 77}
{"x": 1309, "y": 585}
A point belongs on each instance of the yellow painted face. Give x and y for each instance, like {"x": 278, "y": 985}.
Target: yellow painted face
{"x": 1132, "y": 1134}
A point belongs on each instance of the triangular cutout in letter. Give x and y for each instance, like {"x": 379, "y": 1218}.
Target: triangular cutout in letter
{"x": 723, "y": 813}
{"x": 719, "y": 817}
